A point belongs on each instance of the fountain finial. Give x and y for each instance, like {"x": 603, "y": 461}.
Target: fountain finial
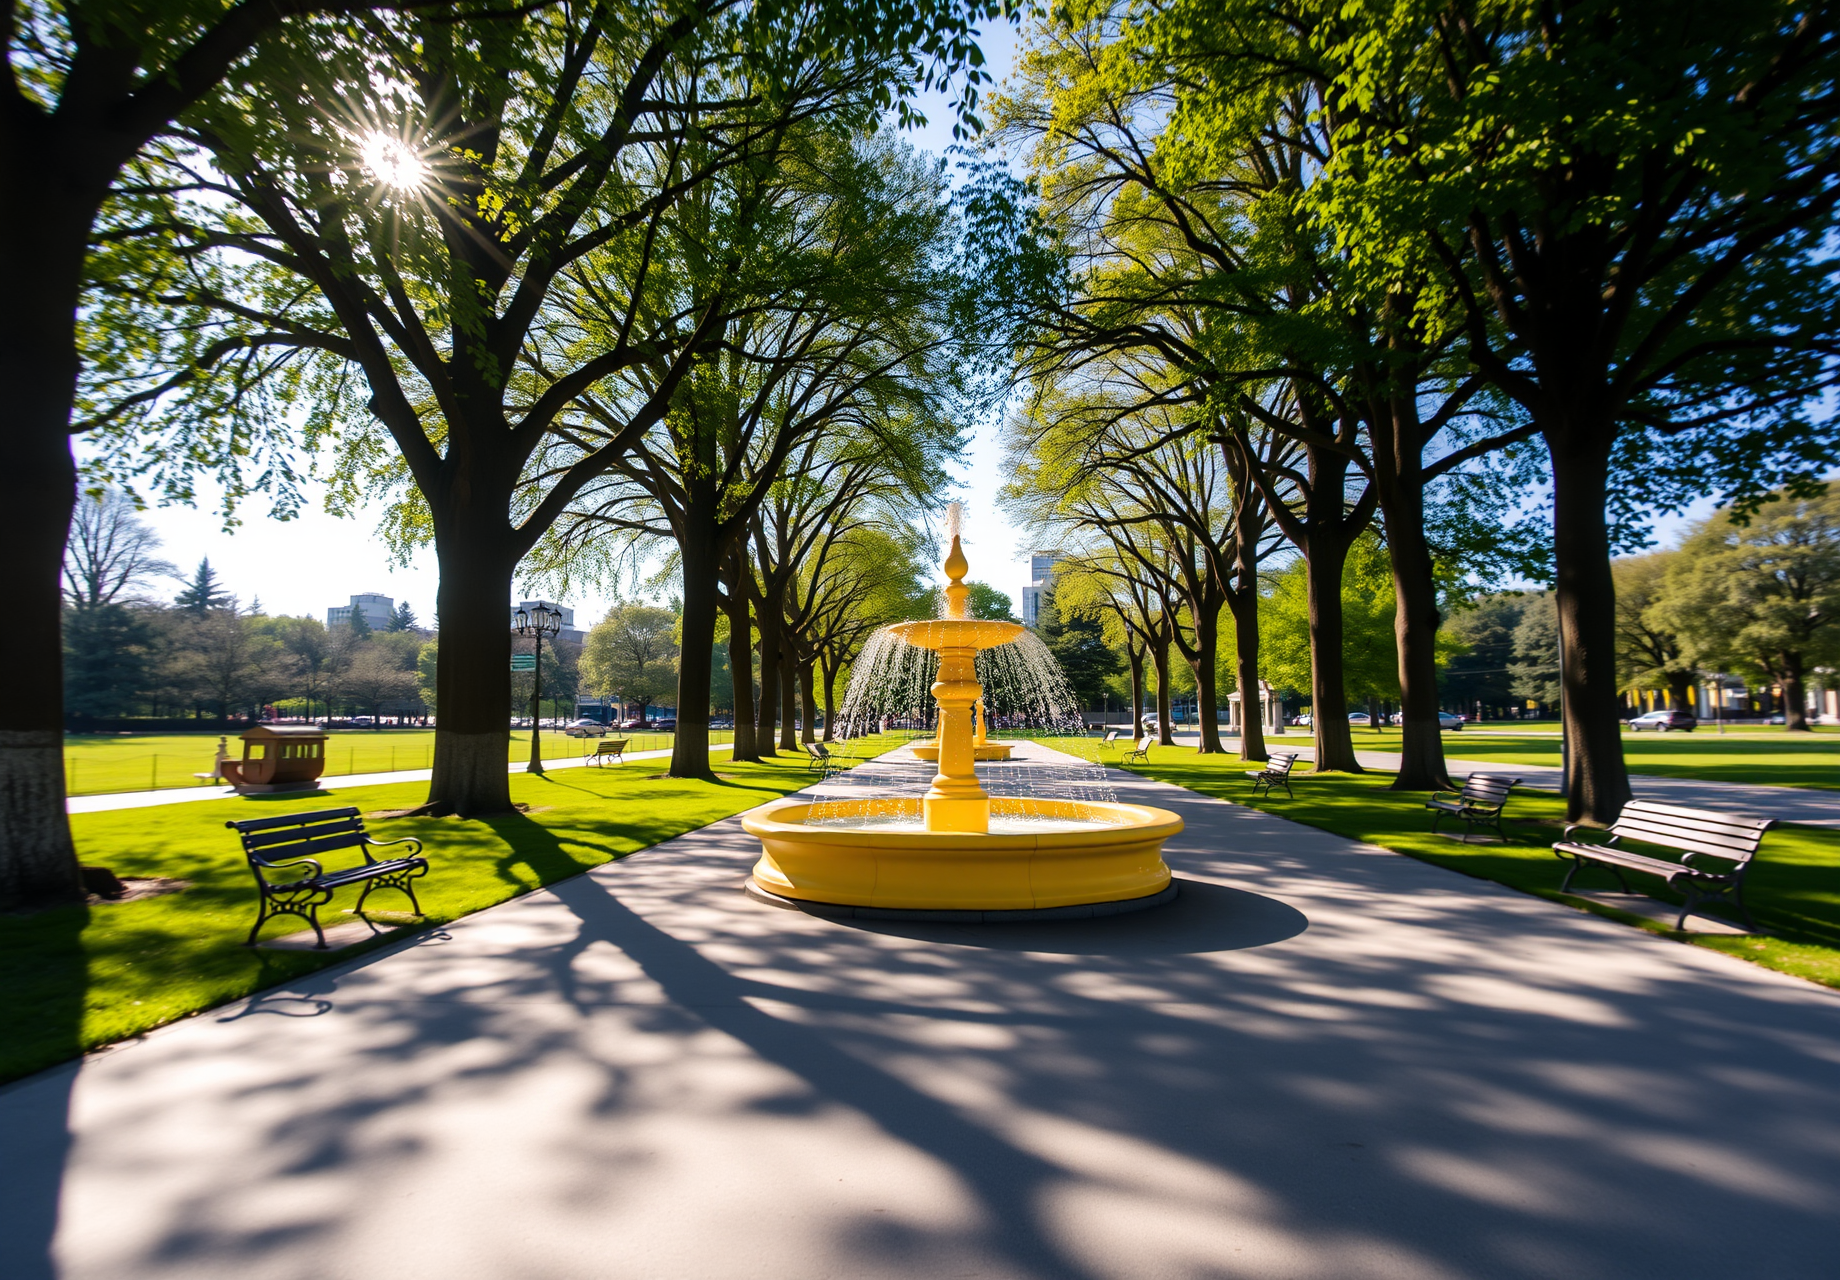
{"x": 956, "y": 567}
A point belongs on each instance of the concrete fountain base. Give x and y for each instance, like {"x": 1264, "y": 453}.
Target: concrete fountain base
{"x": 1112, "y": 859}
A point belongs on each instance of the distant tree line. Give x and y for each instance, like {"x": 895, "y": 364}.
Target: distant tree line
{"x": 207, "y": 655}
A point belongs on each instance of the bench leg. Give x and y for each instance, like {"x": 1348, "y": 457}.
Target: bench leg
{"x": 261, "y": 919}
{"x": 389, "y": 882}
{"x": 1287, "y": 788}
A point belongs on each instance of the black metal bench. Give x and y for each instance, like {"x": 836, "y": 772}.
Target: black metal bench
{"x": 821, "y": 759}
{"x": 1715, "y": 851}
{"x": 1479, "y": 804}
{"x": 295, "y": 841}
{"x": 1276, "y": 773}
{"x": 607, "y": 749}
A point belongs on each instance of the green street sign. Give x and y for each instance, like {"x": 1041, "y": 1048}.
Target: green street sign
{"x": 523, "y": 662}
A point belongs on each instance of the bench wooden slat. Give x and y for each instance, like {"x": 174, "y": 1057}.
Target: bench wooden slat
{"x": 310, "y": 848}
{"x": 286, "y": 835}
{"x": 1746, "y": 834}
{"x": 291, "y": 820}
{"x": 1685, "y": 841}
{"x": 1696, "y": 817}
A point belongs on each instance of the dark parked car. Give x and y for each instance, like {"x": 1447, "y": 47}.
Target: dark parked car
{"x": 664, "y": 726}
{"x": 1662, "y": 721}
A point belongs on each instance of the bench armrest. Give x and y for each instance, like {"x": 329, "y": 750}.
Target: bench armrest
{"x": 383, "y": 844}
{"x": 262, "y": 864}
{"x": 1576, "y": 826}
{"x": 1454, "y": 795}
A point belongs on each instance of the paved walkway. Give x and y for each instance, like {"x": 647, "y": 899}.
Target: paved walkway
{"x": 185, "y": 795}
{"x": 1322, "y": 1061}
{"x": 1805, "y": 805}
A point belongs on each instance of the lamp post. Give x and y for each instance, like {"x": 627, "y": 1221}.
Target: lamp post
{"x": 538, "y": 622}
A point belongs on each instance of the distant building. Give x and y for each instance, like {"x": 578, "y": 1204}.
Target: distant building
{"x": 568, "y": 631}
{"x": 1041, "y": 572}
{"x": 377, "y": 611}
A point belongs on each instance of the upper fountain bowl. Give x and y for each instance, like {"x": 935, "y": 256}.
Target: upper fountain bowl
{"x": 957, "y": 633}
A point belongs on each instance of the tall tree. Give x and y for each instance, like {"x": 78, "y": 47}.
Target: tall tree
{"x": 486, "y": 237}
{"x": 203, "y": 593}
{"x": 632, "y": 654}
{"x": 110, "y": 554}
{"x": 1077, "y": 642}
{"x": 1649, "y": 652}
{"x": 88, "y": 85}
{"x": 1762, "y": 595}
{"x": 831, "y": 301}
{"x": 1648, "y": 286}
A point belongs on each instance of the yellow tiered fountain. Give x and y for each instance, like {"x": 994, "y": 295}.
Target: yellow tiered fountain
{"x": 955, "y": 849}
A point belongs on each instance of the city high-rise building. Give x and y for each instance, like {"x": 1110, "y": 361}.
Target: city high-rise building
{"x": 377, "y": 611}
{"x": 1041, "y": 572}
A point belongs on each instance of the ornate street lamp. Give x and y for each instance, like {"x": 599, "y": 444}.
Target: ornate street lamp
{"x": 537, "y": 622}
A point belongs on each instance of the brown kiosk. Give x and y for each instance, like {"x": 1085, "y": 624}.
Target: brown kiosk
{"x": 278, "y": 758}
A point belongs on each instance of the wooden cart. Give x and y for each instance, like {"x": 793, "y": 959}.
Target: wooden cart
{"x": 278, "y": 758}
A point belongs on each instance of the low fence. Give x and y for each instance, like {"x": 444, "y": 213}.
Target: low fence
{"x": 86, "y": 774}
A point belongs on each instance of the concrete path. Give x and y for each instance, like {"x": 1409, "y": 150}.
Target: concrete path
{"x": 1806, "y": 805}
{"x": 1322, "y": 1061}
{"x": 185, "y": 795}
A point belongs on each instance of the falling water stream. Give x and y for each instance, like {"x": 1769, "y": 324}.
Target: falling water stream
{"x": 1026, "y": 696}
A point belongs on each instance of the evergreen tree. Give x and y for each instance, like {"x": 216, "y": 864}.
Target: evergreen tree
{"x": 1078, "y": 644}
{"x": 202, "y": 594}
{"x": 403, "y": 619}
{"x": 106, "y": 659}
{"x": 360, "y": 625}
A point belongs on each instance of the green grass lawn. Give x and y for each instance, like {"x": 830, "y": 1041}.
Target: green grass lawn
{"x": 75, "y": 978}
{"x": 1793, "y": 889}
{"x": 98, "y": 764}
{"x": 1763, "y": 756}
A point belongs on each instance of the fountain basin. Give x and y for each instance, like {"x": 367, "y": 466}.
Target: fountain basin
{"x": 979, "y": 751}
{"x": 1046, "y": 854}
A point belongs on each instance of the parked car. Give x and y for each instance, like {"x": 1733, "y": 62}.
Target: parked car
{"x": 721, "y": 724}
{"x": 1359, "y": 718}
{"x": 584, "y": 728}
{"x": 1662, "y": 721}
{"x": 1303, "y": 721}
{"x": 638, "y": 722}
{"x": 362, "y": 722}
{"x": 1152, "y": 725}
{"x": 664, "y": 726}
{"x": 1448, "y": 721}
{"x": 1778, "y": 718}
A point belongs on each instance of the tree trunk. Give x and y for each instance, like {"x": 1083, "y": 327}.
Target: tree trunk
{"x": 808, "y": 703}
{"x": 1134, "y": 654}
{"x": 1245, "y": 609}
{"x": 767, "y": 616}
{"x": 1206, "y": 665}
{"x": 700, "y": 557}
{"x": 1794, "y": 694}
{"x": 1415, "y": 626}
{"x": 472, "y": 671}
{"x": 1597, "y": 781}
{"x": 741, "y": 671}
{"x": 38, "y": 489}
{"x": 830, "y": 702}
{"x": 788, "y": 696}
{"x": 1159, "y": 658}
{"x": 1328, "y": 697}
